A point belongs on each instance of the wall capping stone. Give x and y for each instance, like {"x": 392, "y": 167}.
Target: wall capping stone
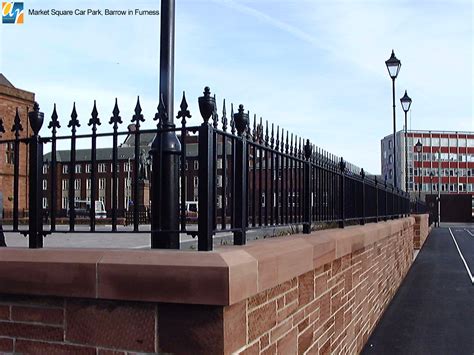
{"x": 223, "y": 277}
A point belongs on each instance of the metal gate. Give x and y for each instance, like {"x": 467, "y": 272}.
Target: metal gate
{"x": 454, "y": 207}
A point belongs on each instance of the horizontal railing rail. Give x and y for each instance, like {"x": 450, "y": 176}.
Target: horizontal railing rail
{"x": 228, "y": 176}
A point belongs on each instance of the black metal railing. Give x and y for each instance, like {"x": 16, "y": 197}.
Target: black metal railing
{"x": 248, "y": 176}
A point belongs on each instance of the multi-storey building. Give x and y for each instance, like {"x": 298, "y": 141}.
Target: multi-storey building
{"x": 446, "y": 161}
{"x": 13, "y": 101}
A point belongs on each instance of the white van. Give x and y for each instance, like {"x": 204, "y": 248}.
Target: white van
{"x": 191, "y": 210}
{"x": 83, "y": 207}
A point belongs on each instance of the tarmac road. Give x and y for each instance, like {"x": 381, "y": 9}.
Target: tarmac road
{"x": 433, "y": 311}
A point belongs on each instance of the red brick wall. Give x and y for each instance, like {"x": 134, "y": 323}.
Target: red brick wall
{"x": 421, "y": 230}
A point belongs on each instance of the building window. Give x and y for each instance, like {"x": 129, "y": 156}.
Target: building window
{"x": 102, "y": 168}
{"x": 196, "y": 165}
{"x": 88, "y": 184}
{"x": 196, "y": 181}
{"x": 10, "y": 153}
{"x": 219, "y": 180}
{"x": 65, "y": 169}
{"x": 112, "y": 167}
{"x": 77, "y": 184}
{"x": 219, "y": 164}
{"x": 390, "y": 159}
{"x": 127, "y": 167}
{"x": 389, "y": 144}
{"x": 78, "y": 168}
{"x": 65, "y": 203}
{"x": 45, "y": 168}
{"x": 262, "y": 200}
{"x": 45, "y": 202}
{"x": 65, "y": 184}
{"x": 219, "y": 201}
{"x": 101, "y": 184}
{"x": 390, "y": 174}
{"x": 45, "y": 184}
{"x": 88, "y": 168}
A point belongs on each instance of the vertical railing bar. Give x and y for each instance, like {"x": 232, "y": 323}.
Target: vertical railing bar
{"x": 115, "y": 120}
{"x": 17, "y": 127}
{"x": 183, "y": 175}
{"x": 224, "y": 183}
{"x": 267, "y": 197}
{"x": 254, "y": 185}
{"x": 93, "y": 121}
{"x": 260, "y": 187}
{"x": 73, "y": 124}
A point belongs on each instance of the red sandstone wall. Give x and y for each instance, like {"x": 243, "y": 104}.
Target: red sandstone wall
{"x": 421, "y": 230}
{"x": 315, "y": 294}
{"x": 10, "y": 99}
{"x": 332, "y": 309}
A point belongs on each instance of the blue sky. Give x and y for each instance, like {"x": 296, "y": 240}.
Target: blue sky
{"x": 314, "y": 67}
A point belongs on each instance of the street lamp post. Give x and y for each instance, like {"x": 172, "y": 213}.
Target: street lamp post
{"x": 166, "y": 147}
{"x": 406, "y": 103}
{"x": 419, "y": 150}
{"x": 393, "y": 66}
{"x": 431, "y": 182}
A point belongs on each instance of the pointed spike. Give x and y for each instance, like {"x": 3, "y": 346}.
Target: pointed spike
{"x": 266, "y": 133}
{"x": 94, "y": 121}
{"x": 138, "y": 117}
{"x": 232, "y": 122}
{"x": 138, "y": 107}
{"x": 116, "y": 110}
{"x": 74, "y": 122}
{"x": 224, "y": 117}
{"x": 254, "y": 127}
{"x": 272, "y": 137}
{"x": 183, "y": 113}
{"x": 115, "y": 119}
{"x": 215, "y": 116}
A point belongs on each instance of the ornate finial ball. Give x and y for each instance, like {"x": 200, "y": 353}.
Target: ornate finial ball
{"x": 207, "y": 104}
{"x": 36, "y": 106}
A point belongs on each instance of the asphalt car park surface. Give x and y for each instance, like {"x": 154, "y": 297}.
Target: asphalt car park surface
{"x": 433, "y": 310}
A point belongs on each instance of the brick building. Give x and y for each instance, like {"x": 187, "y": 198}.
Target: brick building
{"x": 446, "y": 161}
{"x": 125, "y": 172}
{"x": 11, "y": 99}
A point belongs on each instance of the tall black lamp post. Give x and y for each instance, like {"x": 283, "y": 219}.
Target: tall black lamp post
{"x": 166, "y": 147}
{"x": 419, "y": 150}
{"x": 431, "y": 182}
{"x": 393, "y": 66}
{"x": 406, "y": 103}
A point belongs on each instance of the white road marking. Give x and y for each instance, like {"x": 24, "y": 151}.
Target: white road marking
{"x": 462, "y": 257}
{"x": 467, "y": 230}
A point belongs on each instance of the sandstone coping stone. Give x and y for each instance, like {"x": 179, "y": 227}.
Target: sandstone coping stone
{"x": 224, "y": 276}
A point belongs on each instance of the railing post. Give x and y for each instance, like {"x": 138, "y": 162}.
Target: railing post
{"x": 240, "y": 203}
{"x": 206, "y": 189}
{"x": 342, "y": 182}
{"x": 307, "y": 184}
{"x": 165, "y": 151}
{"x": 362, "y": 175}
{"x": 386, "y": 200}
{"x": 35, "y": 165}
